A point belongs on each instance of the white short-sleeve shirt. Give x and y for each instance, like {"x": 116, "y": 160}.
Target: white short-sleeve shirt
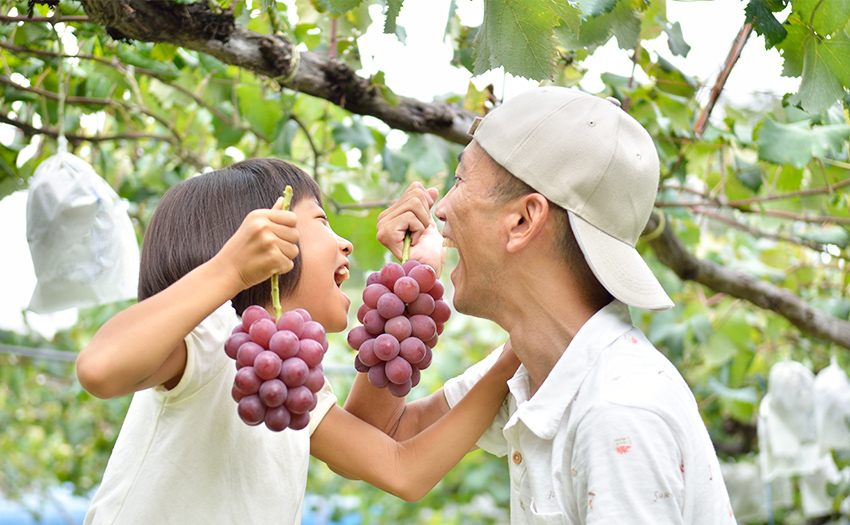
{"x": 184, "y": 456}
{"x": 613, "y": 435}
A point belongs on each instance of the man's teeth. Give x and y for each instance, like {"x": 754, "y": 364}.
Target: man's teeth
{"x": 448, "y": 243}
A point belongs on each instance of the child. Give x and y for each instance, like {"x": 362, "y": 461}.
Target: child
{"x": 183, "y": 455}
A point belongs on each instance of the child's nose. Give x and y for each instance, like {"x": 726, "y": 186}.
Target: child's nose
{"x": 345, "y": 246}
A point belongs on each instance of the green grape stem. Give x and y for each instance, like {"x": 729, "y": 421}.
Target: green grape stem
{"x": 287, "y": 198}
{"x": 405, "y": 251}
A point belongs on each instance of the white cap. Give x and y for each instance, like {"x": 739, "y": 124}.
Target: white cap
{"x": 587, "y": 155}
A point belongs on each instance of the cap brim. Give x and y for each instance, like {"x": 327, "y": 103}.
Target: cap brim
{"x": 619, "y": 267}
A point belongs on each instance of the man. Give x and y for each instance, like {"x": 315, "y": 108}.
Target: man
{"x": 549, "y": 200}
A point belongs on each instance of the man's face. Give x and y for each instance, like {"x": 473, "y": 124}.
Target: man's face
{"x": 471, "y": 216}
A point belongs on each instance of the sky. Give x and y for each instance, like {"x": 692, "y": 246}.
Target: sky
{"x": 420, "y": 69}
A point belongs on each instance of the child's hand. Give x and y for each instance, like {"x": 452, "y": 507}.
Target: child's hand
{"x": 412, "y": 212}
{"x": 264, "y": 245}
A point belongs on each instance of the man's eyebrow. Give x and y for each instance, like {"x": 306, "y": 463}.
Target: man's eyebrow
{"x": 459, "y": 157}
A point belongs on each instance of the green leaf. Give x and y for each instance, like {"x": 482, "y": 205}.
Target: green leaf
{"x": 796, "y": 144}
{"x": 357, "y": 134}
{"x": 675, "y": 38}
{"x": 623, "y": 21}
{"x": 823, "y": 64}
{"x": 765, "y": 24}
{"x": 824, "y": 16}
{"x": 261, "y": 113}
{"x": 518, "y": 35}
{"x": 340, "y": 7}
{"x": 393, "y": 9}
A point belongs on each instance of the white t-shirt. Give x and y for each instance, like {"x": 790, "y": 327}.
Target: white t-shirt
{"x": 613, "y": 435}
{"x": 184, "y": 456}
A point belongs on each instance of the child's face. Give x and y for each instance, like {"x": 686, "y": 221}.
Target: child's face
{"x": 324, "y": 265}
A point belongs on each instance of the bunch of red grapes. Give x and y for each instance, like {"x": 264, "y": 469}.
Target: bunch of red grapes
{"x": 402, "y": 315}
{"x": 279, "y": 367}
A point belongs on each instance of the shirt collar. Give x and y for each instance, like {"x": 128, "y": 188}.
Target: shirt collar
{"x": 542, "y": 413}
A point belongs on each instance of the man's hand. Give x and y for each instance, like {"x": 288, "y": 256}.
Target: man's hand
{"x": 412, "y": 212}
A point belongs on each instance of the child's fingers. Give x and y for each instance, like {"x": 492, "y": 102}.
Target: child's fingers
{"x": 278, "y": 204}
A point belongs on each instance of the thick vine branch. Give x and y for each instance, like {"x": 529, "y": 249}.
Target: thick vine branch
{"x": 196, "y": 27}
{"x": 673, "y": 254}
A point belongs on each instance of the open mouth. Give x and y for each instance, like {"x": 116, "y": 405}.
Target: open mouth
{"x": 341, "y": 275}
{"x": 448, "y": 243}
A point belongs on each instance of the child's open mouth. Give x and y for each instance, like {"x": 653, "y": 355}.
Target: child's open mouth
{"x": 341, "y": 275}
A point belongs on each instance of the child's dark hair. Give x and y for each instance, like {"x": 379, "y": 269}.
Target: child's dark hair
{"x": 196, "y": 217}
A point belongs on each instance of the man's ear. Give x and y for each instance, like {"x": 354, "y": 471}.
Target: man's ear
{"x": 527, "y": 220}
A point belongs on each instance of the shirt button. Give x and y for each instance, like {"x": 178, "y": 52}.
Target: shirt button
{"x": 521, "y": 505}
{"x": 517, "y": 457}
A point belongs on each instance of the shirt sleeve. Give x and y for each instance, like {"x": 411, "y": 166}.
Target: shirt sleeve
{"x": 627, "y": 467}
{"x": 326, "y": 399}
{"x": 493, "y": 440}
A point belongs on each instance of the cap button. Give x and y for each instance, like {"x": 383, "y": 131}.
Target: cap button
{"x": 613, "y": 101}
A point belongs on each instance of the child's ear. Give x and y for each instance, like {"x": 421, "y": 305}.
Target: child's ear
{"x": 526, "y": 220}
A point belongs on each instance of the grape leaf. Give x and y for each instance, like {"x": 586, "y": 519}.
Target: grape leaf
{"x": 623, "y": 21}
{"x": 825, "y": 17}
{"x": 765, "y": 24}
{"x": 393, "y": 8}
{"x": 796, "y": 144}
{"x": 517, "y": 34}
{"x": 339, "y": 7}
{"x": 823, "y": 64}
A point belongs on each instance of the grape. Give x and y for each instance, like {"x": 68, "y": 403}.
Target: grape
{"x": 315, "y": 379}
{"x": 406, "y": 288}
{"x": 314, "y": 331}
{"x": 360, "y": 367}
{"x": 247, "y": 381}
{"x": 291, "y": 321}
{"x": 377, "y": 376}
{"x": 303, "y": 313}
{"x": 390, "y": 273}
{"x": 311, "y": 352}
{"x": 299, "y": 421}
{"x": 372, "y": 293}
{"x": 284, "y": 343}
{"x": 253, "y": 313}
{"x": 402, "y": 315}
{"x": 251, "y": 410}
{"x": 374, "y": 322}
{"x": 412, "y": 349}
{"x": 356, "y": 336}
{"x": 442, "y": 311}
{"x": 400, "y": 390}
{"x": 398, "y": 327}
{"x": 276, "y": 361}
{"x": 437, "y": 291}
{"x": 423, "y": 327}
{"x": 367, "y": 353}
{"x": 409, "y": 265}
{"x": 424, "y": 275}
{"x": 267, "y": 365}
{"x": 231, "y": 346}
{"x": 386, "y": 347}
{"x": 398, "y": 370}
{"x": 362, "y": 312}
{"x": 422, "y": 305}
{"x": 299, "y": 400}
{"x": 273, "y": 393}
{"x": 277, "y": 418}
{"x": 372, "y": 278}
{"x": 262, "y": 330}
{"x": 247, "y": 353}
{"x": 389, "y": 306}
{"x": 293, "y": 372}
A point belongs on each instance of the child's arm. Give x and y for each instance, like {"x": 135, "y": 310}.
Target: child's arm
{"x": 143, "y": 346}
{"x": 411, "y": 468}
